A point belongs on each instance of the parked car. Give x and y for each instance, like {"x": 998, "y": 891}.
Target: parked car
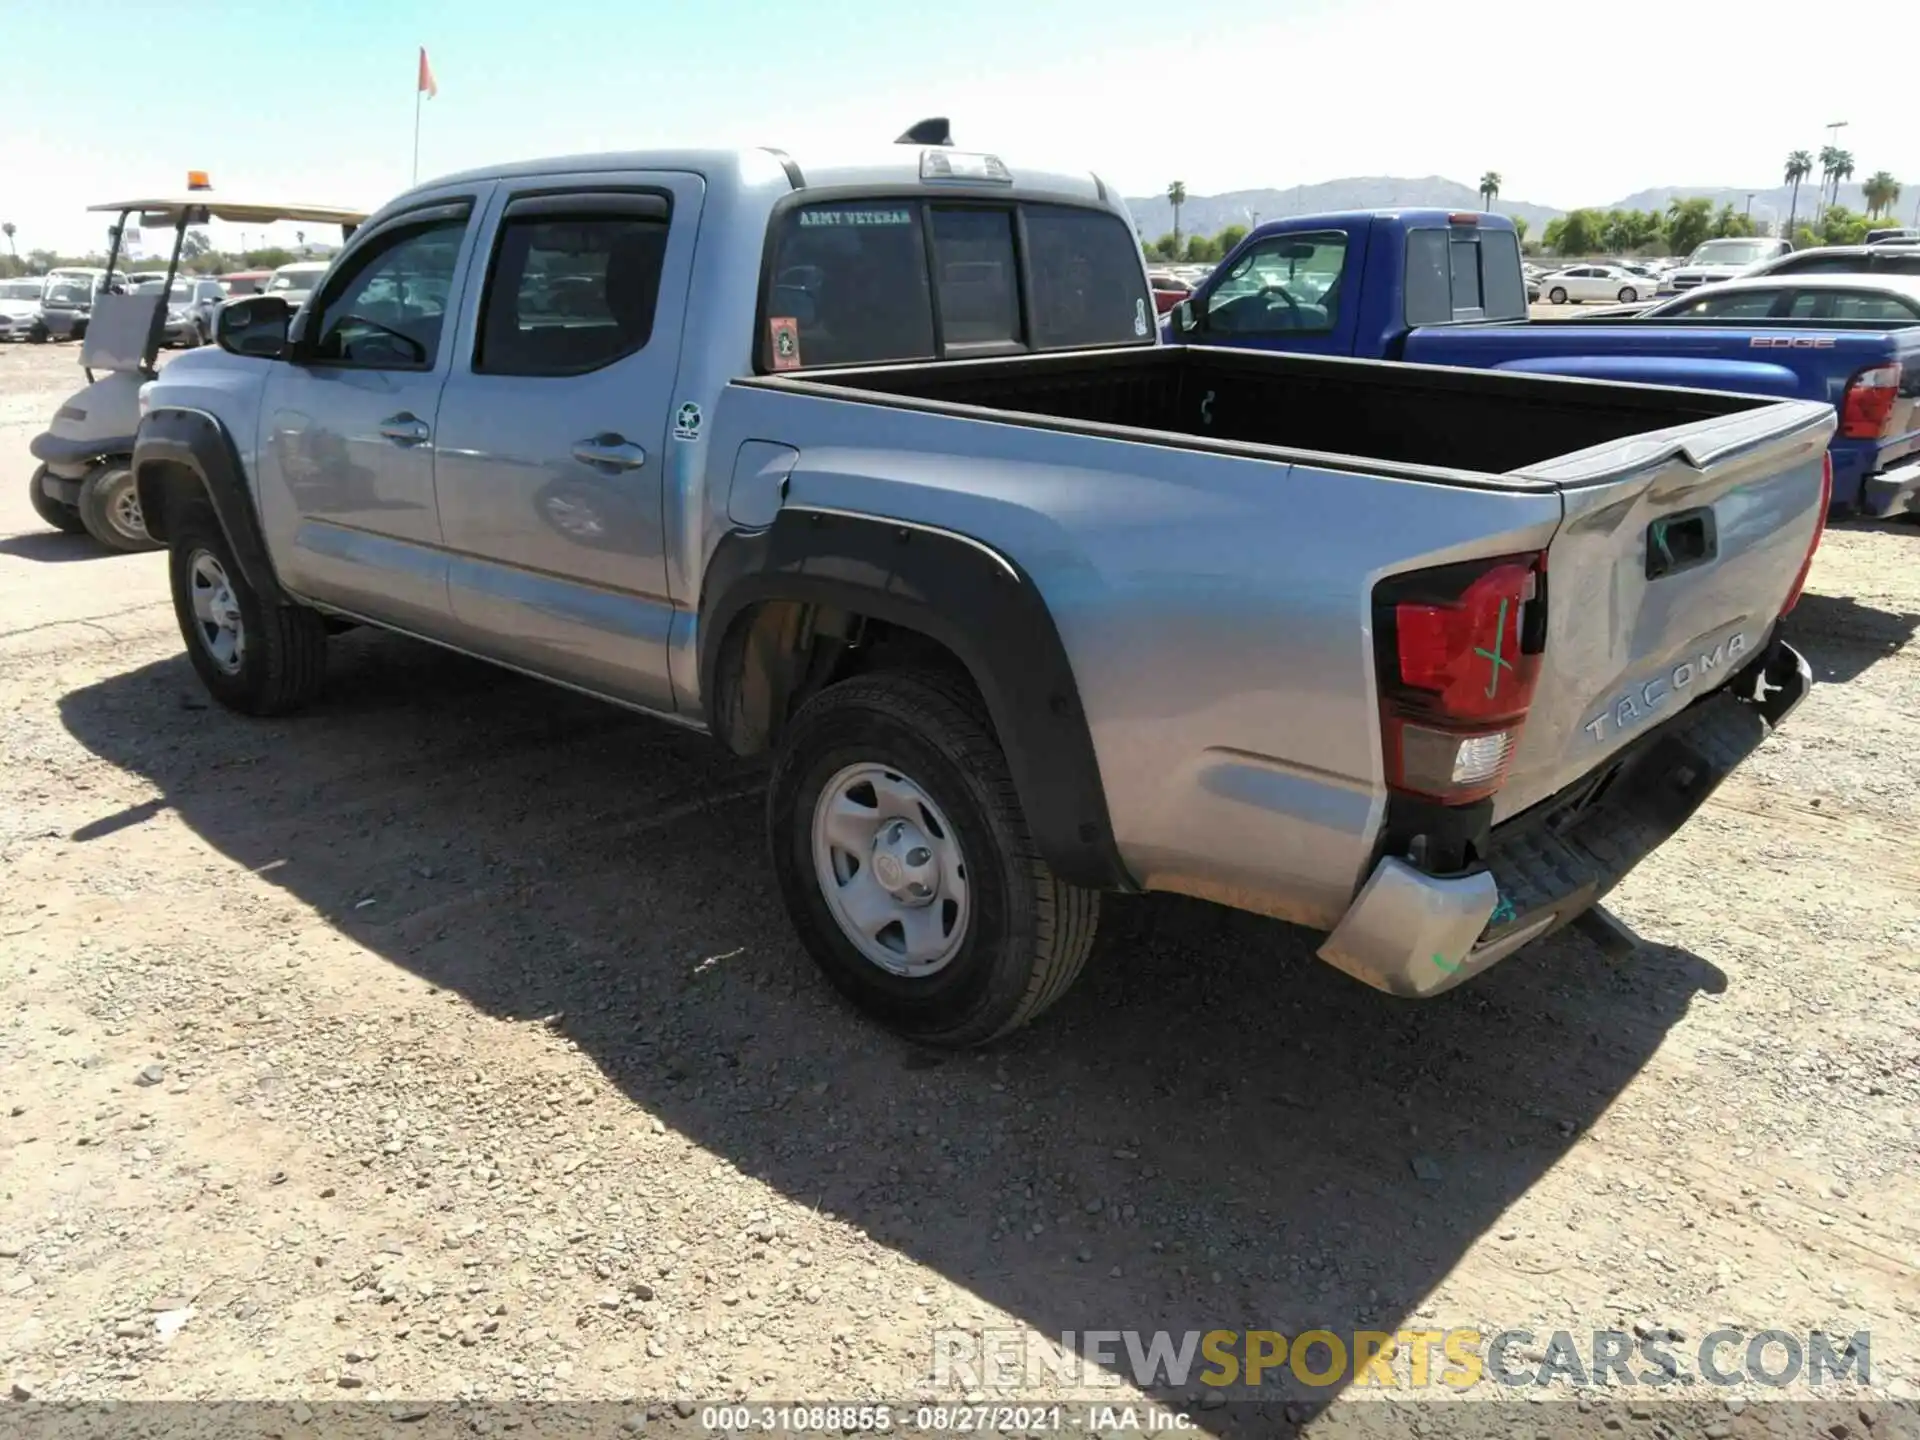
{"x": 1168, "y": 291}
{"x": 1427, "y": 285}
{"x": 1892, "y": 298}
{"x": 246, "y": 282}
{"x": 930, "y": 589}
{"x": 1894, "y": 235}
{"x": 1844, "y": 260}
{"x": 294, "y": 282}
{"x": 190, "y": 306}
{"x": 1716, "y": 260}
{"x": 21, "y": 317}
{"x": 1579, "y": 283}
{"x": 67, "y": 302}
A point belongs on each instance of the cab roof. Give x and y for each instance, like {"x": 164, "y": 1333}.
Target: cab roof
{"x": 877, "y": 165}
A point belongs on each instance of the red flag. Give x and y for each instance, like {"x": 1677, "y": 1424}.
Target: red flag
{"x": 427, "y": 87}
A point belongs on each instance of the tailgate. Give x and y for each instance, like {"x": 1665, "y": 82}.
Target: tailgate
{"x": 1675, "y": 553}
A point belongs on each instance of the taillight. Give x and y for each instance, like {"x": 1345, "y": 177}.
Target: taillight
{"x": 1867, "y": 411}
{"x": 1458, "y": 654}
{"x": 1819, "y": 529}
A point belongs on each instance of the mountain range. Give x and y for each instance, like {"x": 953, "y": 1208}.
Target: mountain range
{"x": 1208, "y": 214}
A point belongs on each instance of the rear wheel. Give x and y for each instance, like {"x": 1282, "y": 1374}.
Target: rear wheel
{"x": 57, "y": 513}
{"x": 252, "y": 655}
{"x": 906, "y": 865}
{"x": 110, "y": 508}
{"x": 1628, "y": 295}
{"x": 1557, "y": 296}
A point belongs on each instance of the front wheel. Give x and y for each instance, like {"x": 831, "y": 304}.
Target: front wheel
{"x": 1557, "y": 296}
{"x": 1628, "y": 295}
{"x": 110, "y": 508}
{"x": 252, "y": 655}
{"x": 57, "y": 513}
{"x": 906, "y": 866}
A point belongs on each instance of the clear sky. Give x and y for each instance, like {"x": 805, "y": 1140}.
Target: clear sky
{"x": 314, "y": 99}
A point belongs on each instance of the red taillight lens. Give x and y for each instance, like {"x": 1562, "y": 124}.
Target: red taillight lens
{"x": 1457, "y": 673}
{"x": 1819, "y": 529}
{"x": 1867, "y": 411}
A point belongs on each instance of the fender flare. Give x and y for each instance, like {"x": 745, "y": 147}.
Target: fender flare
{"x": 973, "y": 600}
{"x": 174, "y": 440}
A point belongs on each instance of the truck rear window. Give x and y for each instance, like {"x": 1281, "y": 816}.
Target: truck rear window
{"x": 857, "y": 282}
{"x": 1463, "y": 273}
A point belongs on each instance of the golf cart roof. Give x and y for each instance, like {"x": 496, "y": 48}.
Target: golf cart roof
{"x": 235, "y": 211}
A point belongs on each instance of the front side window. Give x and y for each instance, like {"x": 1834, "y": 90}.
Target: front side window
{"x": 849, "y": 286}
{"x": 386, "y": 309}
{"x": 570, "y": 295}
{"x": 1853, "y": 305}
{"x": 1287, "y": 283}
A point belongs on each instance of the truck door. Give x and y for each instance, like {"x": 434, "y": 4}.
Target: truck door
{"x": 347, "y": 422}
{"x": 554, "y": 430}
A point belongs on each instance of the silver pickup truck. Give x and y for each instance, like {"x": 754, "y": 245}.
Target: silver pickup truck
{"x": 875, "y": 466}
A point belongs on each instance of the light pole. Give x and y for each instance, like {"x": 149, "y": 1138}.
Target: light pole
{"x": 1750, "y": 195}
{"x": 1833, "y": 143}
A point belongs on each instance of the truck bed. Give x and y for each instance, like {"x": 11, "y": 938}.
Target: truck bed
{"x": 1342, "y": 413}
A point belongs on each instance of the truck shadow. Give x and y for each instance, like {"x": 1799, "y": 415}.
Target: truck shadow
{"x": 1842, "y": 638}
{"x": 1212, "y": 1131}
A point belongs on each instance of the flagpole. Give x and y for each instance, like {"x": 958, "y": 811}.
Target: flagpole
{"x": 417, "y": 95}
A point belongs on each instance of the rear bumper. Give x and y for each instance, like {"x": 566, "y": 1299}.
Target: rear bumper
{"x": 1892, "y": 492}
{"x": 1414, "y": 934}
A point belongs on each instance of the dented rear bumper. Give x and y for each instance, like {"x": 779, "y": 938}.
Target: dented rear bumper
{"x": 1416, "y": 934}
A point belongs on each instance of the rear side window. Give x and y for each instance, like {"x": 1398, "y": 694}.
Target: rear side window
{"x": 849, "y": 286}
{"x": 979, "y": 287}
{"x": 1503, "y": 286}
{"x": 1086, "y": 279}
{"x": 1429, "y": 284}
{"x": 568, "y": 294}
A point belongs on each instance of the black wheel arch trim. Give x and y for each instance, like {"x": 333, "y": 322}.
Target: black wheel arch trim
{"x": 196, "y": 441}
{"x": 976, "y": 602}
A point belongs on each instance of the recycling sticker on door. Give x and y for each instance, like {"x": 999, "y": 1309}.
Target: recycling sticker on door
{"x": 686, "y": 422}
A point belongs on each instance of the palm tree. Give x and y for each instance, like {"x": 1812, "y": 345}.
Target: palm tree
{"x": 1842, "y": 170}
{"x": 1489, "y": 189}
{"x": 14, "y": 250}
{"x": 1882, "y": 193}
{"x": 1177, "y": 196}
{"x": 1799, "y": 166}
{"x": 1828, "y": 155}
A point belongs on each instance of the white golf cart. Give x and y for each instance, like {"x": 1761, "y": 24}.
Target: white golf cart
{"x": 85, "y": 477}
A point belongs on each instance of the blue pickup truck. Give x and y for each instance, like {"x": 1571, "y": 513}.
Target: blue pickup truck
{"x": 1439, "y": 287}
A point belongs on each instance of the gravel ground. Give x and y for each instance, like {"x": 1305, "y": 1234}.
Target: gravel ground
{"x": 447, "y": 1044}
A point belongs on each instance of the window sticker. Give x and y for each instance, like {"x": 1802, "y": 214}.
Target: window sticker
{"x": 855, "y": 217}
{"x": 785, "y": 330}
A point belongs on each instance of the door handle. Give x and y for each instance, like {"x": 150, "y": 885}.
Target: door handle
{"x": 405, "y": 428}
{"x": 611, "y": 450}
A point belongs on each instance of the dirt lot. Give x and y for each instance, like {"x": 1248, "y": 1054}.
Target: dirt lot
{"x": 448, "y": 1043}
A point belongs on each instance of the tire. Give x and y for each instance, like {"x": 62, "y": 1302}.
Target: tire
{"x": 110, "y": 508}
{"x": 57, "y": 513}
{"x": 1556, "y": 296}
{"x": 1627, "y": 295}
{"x": 1018, "y": 934}
{"x": 278, "y": 659}
{"x": 37, "y": 335}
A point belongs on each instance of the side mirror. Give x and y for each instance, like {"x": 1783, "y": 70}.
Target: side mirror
{"x": 1184, "y": 320}
{"x": 254, "y": 326}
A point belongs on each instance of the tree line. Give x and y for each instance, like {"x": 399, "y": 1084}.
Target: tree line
{"x": 1677, "y": 230}
{"x": 197, "y": 257}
